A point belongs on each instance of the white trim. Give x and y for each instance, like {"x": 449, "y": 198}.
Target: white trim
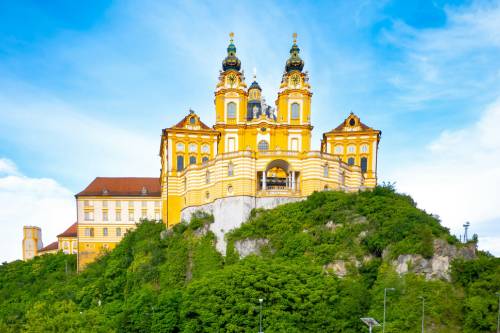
{"x": 169, "y": 155}
{"x": 237, "y": 102}
{"x": 301, "y": 110}
{"x": 299, "y": 139}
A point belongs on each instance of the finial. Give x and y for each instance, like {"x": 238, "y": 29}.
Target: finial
{"x": 231, "y": 36}
{"x": 191, "y": 111}
{"x": 294, "y": 37}
{"x": 254, "y": 73}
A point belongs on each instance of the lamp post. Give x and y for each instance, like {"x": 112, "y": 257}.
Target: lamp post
{"x": 498, "y": 317}
{"x": 423, "y": 312}
{"x": 260, "y": 315}
{"x": 385, "y": 299}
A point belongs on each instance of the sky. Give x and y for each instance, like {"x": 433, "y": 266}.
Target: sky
{"x": 86, "y": 87}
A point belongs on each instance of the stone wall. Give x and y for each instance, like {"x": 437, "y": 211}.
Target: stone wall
{"x": 229, "y": 213}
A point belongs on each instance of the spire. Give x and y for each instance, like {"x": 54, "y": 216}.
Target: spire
{"x": 231, "y": 61}
{"x": 294, "y": 63}
{"x": 255, "y": 84}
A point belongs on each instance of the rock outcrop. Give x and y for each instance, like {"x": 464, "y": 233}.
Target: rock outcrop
{"x": 437, "y": 267}
{"x": 247, "y": 247}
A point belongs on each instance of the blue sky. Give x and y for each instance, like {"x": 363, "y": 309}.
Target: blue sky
{"x": 86, "y": 87}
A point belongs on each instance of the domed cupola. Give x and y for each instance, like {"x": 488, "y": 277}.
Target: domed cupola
{"x": 231, "y": 61}
{"x": 294, "y": 63}
{"x": 254, "y": 85}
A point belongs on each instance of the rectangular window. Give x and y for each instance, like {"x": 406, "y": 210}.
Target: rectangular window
{"x": 86, "y": 203}
{"x": 104, "y": 231}
{"x": 118, "y": 231}
{"x": 131, "y": 215}
{"x": 89, "y": 216}
{"x": 118, "y": 215}
{"x": 89, "y": 232}
{"x": 105, "y": 216}
{"x": 180, "y": 162}
{"x": 294, "y": 144}
{"x": 144, "y": 214}
{"x": 157, "y": 204}
{"x": 144, "y": 204}
{"x": 118, "y": 204}
{"x": 230, "y": 144}
{"x": 130, "y": 205}
{"x": 105, "y": 204}
{"x": 157, "y": 216}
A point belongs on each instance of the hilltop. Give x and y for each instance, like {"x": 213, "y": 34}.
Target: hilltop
{"x": 319, "y": 265}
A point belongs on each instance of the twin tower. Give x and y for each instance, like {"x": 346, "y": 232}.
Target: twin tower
{"x": 256, "y": 155}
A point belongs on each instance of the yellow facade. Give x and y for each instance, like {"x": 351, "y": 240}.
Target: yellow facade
{"x": 105, "y": 216}
{"x": 255, "y": 155}
{"x": 261, "y": 151}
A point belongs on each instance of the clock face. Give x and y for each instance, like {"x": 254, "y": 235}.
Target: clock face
{"x": 295, "y": 81}
{"x": 232, "y": 80}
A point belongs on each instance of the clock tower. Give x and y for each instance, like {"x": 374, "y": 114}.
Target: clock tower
{"x": 231, "y": 99}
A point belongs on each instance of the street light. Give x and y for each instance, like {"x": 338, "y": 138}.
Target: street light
{"x": 423, "y": 312}
{"x": 260, "y": 316}
{"x": 498, "y": 317}
{"x": 370, "y": 322}
{"x": 385, "y": 299}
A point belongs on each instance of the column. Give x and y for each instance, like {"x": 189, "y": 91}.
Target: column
{"x": 264, "y": 185}
{"x": 293, "y": 180}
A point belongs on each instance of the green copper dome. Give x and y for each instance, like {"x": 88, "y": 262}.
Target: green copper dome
{"x": 254, "y": 85}
{"x": 231, "y": 61}
{"x": 294, "y": 63}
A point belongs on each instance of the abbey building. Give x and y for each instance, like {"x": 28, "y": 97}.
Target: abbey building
{"x": 255, "y": 155}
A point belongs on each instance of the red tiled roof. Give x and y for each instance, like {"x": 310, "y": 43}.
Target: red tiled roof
{"x": 123, "y": 186}
{"x": 50, "y": 247}
{"x": 71, "y": 231}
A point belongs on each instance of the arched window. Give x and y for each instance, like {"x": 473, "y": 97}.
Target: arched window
{"x": 231, "y": 110}
{"x": 263, "y": 145}
{"x": 342, "y": 178}
{"x": 180, "y": 162}
{"x": 350, "y": 161}
{"x": 193, "y": 147}
{"x": 364, "y": 164}
{"x": 204, "y": 160}
{"x": 192, "y": 159}
{"x": 180, "y": 146}
{"x": 192, "y": 120}
{"x": 295, "y": 111}
{"x": 325, "y": 170}
{"x": 207, "y": 177}
{"x": 230, "y": 169}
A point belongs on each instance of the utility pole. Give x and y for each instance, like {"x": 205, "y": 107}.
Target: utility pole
{"x": 385, "y": 299}
{"x": 260, "y": 315}
{"x": 498, "y": 317}
{"x": 423, "y": 312}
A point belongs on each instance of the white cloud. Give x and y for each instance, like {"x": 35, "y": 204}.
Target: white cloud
{"x": 31, "y": 201}
{"x": 458, "y": 178}
{"x": 457, "y": 61}
{"x": 7, "y": 167}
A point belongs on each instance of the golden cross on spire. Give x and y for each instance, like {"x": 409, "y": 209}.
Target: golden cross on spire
{"x": 231, "y": 36}
{"x": 294, "y": 37}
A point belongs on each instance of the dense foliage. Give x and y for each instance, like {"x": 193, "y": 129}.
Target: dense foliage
{"x": 175, "y": 281}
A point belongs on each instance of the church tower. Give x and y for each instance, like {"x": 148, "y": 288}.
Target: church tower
{"x": 231, "y": 98}
{"x": 294, "y": 97}
{"x": 32, "y": 242}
